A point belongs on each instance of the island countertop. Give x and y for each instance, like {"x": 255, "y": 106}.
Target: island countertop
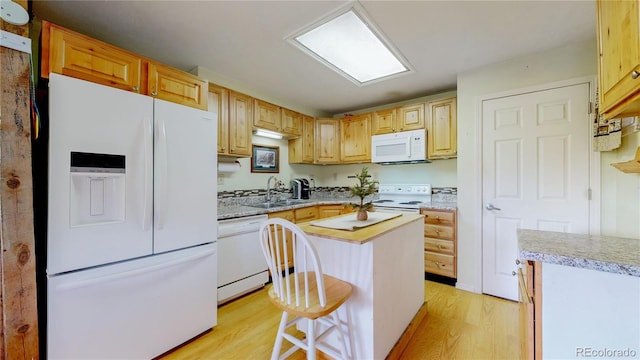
{"x": 602, "y": 253}
{"x": 362, "y": 235}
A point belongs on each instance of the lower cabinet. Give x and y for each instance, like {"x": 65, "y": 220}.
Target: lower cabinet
{"x": 325, "y": 211}
{"x": 530, "y": 286}
{"x": 287, "y": 261}
{"x": 440, "y": 251}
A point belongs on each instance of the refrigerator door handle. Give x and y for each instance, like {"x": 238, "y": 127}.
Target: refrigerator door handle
{"x": 161, "y": 208}
{"x": 127, "y": 274}
{"x": 148, "y": 173}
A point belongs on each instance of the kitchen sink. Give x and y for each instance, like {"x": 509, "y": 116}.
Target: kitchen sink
{"x": 271, "y": 205}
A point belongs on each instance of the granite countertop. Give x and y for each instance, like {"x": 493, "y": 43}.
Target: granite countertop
{"x": 602, "y": 253}
{"x": 229, "y": 212}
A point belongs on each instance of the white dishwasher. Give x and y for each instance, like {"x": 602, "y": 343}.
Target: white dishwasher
{"x": 241, "y": 264}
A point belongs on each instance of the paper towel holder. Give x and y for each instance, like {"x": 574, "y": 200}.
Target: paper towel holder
{"x": 229, "y": 166}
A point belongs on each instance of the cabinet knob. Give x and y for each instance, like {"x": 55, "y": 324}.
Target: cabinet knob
{"x": 437, "y": 217}
{"x": 136, "y": 89}
{"x": 154, "y": 93}
{"x": 635, "y": 74}
{"x": 437, "y": 263}
{"x": 223, "y": 148}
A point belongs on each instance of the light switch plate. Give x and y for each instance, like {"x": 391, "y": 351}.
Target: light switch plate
{"x": 15, "y": 42}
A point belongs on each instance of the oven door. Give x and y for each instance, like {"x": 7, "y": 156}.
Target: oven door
{"x": 387, "y": 209}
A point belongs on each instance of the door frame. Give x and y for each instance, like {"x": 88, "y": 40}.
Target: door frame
{"x": 594, "y": 157}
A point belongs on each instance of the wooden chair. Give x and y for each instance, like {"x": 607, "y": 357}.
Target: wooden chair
{"x": 304, "y": 292}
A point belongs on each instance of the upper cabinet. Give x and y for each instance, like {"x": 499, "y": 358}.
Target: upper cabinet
{"x": 266, "y": 116}
{"x": 240, "y": 121}
{"x": 618, "y": 38}
{"x": 76, "y": 55}
{"x": 327, "y": 141}
{"x": 291, "y": 122}
{"x": 301, "y": 149}
{"x": 442, "y": 138}
{"x": 219, "y": 104}
{"x": 177, "y": 86}
{"x": 355, "y": 139}
{"x": 410, "y": 117}
{"x": 403, "y": 118}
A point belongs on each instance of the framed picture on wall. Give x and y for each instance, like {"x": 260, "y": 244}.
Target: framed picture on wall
{"x": 265, "y": 159}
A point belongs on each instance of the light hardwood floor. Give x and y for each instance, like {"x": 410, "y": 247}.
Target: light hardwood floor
{"x": 459, "y": 325}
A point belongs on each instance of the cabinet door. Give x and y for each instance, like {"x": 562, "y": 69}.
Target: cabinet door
{"x": 325, "y": 211}
{"x": 301, "y": 150}
{"x": 619, "y": 57}
{"x": 266, "y": 116}
{"x": 219, "y": 104}
{"x": 411, "y": 117}
{"x": 291, "y": 122}
{"x": 327, "y": 141}
{"x": 384, "y": 122}
{"x": 355, "y": 139}
{"x": 240, "y": 121}
{"x": 286, "y": 262}
{"x": 442, "y": 129}
{"x": 72, "y": 54}
{"x": 306, "y": 214}
{"x": 177, "y": 86}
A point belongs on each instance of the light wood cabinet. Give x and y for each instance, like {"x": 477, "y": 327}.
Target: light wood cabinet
{"x": 383, "y": 122}
{"x": 219, "y": 104}
{"x": 327, "y": 141}
{"x": 287, "y": 262}
{"x": 442, "y": 129}
{"x": 325, "y": 211}
{"x": 410, "y": 117}
{"x": 530, "y": 293}
{"x": 79, "y": 56}
{"x": 176, "y": 86}
{"x": 355, "y": 139}
{"x": 266, "y": 116}
{"x": 440, "y": 253}
{"x": 291, "y": 122}
{"x": 306, "y": 214}
{"x": 618, "y": 36}
{"x": 301, "y": 149}
{"x": 240, "y": 121}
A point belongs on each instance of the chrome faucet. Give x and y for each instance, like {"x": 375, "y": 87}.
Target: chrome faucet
{"x": 269, "y": 187}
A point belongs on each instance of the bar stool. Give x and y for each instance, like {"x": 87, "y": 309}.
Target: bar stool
{"x": 304, "y": 292}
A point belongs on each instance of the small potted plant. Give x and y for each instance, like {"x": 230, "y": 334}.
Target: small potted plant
{"x": 365, "y": 187}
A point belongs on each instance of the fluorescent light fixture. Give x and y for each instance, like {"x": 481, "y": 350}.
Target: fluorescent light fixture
{"x": 267, "y": 133}
{"x": 350, "y": 45}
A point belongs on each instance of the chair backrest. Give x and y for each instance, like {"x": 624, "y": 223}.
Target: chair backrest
{"x": 282, "y": 241}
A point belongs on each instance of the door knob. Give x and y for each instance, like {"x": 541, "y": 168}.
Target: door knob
{"x": 490, "y": 207}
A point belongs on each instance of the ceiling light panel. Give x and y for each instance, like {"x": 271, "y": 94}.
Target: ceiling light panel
{"x": 353, "y": 48}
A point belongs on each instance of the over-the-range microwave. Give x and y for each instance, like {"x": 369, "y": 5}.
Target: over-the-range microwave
{"x": 405, "y": 147}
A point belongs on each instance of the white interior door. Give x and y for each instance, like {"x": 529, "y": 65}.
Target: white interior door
{"x": 535, "y": 166}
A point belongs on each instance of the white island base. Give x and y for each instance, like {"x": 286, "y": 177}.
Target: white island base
{"x": 385, "y": 265}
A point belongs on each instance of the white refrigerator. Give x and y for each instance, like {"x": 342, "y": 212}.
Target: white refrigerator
{"x": 131, "y": 226}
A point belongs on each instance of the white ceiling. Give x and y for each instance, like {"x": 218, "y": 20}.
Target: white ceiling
{"x": 244, "y": 41}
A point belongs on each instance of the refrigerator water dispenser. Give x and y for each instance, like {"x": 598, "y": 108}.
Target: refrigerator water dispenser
{"x": 97, "y": 193}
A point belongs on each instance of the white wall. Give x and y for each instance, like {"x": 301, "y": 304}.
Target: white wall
{"x": 621, "y": 192}
{"x": 571, "y": 61}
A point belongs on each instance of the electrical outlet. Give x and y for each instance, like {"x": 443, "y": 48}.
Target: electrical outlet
{"x": 220, "y": 179}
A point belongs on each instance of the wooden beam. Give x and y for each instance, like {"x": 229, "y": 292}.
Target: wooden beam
{"x": 19, "y": 332}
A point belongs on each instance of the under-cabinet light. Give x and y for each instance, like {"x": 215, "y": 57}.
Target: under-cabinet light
{"x": 267, "y": 133}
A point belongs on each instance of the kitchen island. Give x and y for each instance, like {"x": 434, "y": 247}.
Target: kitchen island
{"x": 385, "y": 264}
{"x": 585, "y": 293}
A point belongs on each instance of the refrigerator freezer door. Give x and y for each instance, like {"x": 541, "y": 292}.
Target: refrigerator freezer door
{"x": 135, "y": 309}
{"x": 185, "y": 175}
{"x": 97, "y": 217}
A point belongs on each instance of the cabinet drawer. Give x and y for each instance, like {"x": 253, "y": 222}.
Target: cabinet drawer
{"x": 438, "y": 217}
{"x": 438, "y": 232}
{"x": 306, "y": 214}
{"x": 286, "y": 214}
{"x": 439, "y": 246}
{"x": 439, "y": 264}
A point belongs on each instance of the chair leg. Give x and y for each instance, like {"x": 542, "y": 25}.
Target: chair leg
{"x": 275, "y": 355}
{"x": 311, "y": 339}
{"x": 341, "y": 335}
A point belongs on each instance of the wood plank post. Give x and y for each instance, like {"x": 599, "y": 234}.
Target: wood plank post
{"x": 19, "y": 331}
